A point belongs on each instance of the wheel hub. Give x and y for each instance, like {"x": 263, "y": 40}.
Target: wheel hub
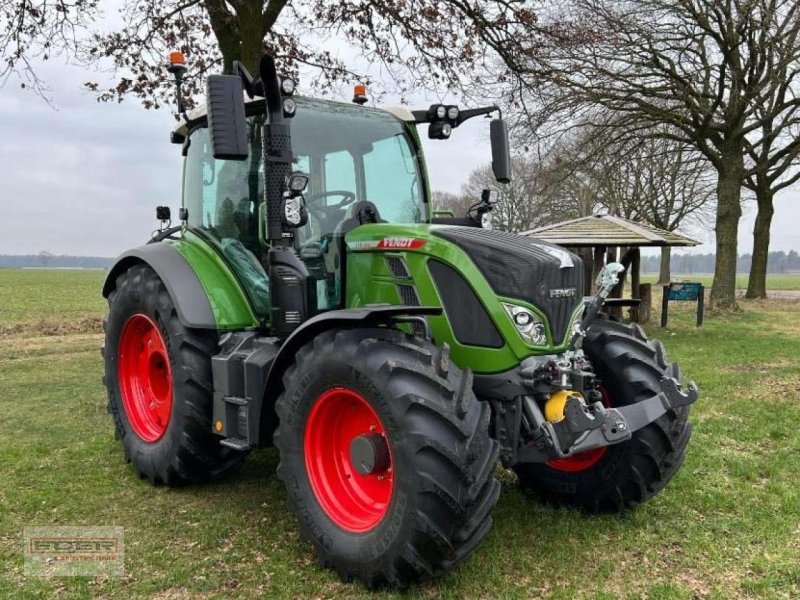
{"x": 145, "y": 377}
{"x": 369, "y": 453}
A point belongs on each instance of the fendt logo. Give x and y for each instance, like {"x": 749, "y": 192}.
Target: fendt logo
{"x": 563, "y": 292}
{"x": 407, "y": 243}
{"x": 389, "y": 243}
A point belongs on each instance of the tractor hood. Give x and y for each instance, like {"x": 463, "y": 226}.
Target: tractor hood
{"x": 525, "y": 268}
{"x": 499, "y": 267}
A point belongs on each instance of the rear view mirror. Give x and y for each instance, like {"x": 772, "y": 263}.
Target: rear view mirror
{"x": 226, "y": 119}
{"x": 501, "y": 155}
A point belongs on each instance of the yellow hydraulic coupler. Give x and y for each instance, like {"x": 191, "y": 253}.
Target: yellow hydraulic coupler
{"x": 554, "y": 407}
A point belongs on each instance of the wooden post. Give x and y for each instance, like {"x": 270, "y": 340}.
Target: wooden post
{"x": 588, "y": 269}
{"x": 701, "y": 303}
{"x": 664, "y": 306}
{"x": 636, "y": 265}
{"x": 636, "y": 262}
{"x": 646, "y": 297}
{"x": 616, "y": 311}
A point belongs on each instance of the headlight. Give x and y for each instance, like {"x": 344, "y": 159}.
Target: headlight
{"x": 441, "y": 111}
{"x": 528, "y": 324}
{"x": 452, "y": 113}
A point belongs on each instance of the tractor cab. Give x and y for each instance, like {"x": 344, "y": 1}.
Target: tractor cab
{"x": 363, "y": 166}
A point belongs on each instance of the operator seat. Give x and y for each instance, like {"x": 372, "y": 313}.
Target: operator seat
{"x": 360, "y": 213}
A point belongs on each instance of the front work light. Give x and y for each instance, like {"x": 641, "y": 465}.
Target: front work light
{"x": 287, "y": 86}
{"x": 439, "y": 130}
{"x": 289, "y": 107}
{"x": 296, "y": 182}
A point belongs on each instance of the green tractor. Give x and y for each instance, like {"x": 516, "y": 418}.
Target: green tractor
{"x": 309, "y": 301}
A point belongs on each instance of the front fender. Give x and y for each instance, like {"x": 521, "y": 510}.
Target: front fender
{"x": 347, "y": 318}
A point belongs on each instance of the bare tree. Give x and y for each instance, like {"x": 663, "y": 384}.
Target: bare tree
{"x": 661, "y": 182}
{"x": 447, "y": 202}
{"x": 440, "y": 42}
{"x": 521, "y": 205}
{"x": 701, "y": 67}
{"x": 774, "y": 166}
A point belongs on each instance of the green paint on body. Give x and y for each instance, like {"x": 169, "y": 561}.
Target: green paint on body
{"x": 231, "y": 307}
{"x": 369, "y": 281}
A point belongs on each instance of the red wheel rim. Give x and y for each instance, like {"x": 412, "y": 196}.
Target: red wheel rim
{"x": 145, "y": 378}
{"x": 583, "y": 460}
{"x": 354, "y": 502}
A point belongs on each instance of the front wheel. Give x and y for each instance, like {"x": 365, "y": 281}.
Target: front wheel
{"x": 609, "y": 479}
{"x": 386, "y": 455}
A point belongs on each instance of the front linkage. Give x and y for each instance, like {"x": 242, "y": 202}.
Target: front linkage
{"x": 574, "y": 419}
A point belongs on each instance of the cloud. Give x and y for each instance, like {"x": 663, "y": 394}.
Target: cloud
{"x": 86, "y": 178}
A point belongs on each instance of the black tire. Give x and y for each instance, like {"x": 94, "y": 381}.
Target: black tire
{"x": 630, "y": 367}
{"x": 188, "y": 451}
{"x": 442, "y": 455}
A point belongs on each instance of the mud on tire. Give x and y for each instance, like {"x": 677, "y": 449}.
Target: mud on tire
{"x": 188, "y": 451}
{"x": 630, "y": 368}
{"x": 442, "y": 457}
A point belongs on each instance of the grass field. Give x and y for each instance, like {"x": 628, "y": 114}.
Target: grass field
{"x": 727, "y": 527}
{"x": 776, "y": 281}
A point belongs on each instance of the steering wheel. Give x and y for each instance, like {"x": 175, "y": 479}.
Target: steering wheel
{"x": 348, "y": 198}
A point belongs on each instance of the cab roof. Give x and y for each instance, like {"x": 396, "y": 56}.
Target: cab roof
{"x": 196, "y": 114}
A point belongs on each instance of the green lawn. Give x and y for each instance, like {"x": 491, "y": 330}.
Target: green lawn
{"x": 727, "y": 527}
{"x": 777, "y": 281}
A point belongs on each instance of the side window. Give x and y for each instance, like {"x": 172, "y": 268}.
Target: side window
{"x": 221, "y": 195}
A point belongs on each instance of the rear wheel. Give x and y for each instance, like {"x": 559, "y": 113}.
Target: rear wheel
{"x": 158, "y": 379}
{"x": 386, "y": 455}
{"x": 630, "y": 368}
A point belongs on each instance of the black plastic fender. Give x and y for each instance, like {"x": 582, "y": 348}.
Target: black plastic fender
{"x": 184, "y": 287}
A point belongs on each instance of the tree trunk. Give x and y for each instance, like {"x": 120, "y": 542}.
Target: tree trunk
{"x": 757, "y": 283}
{"x": 252, "y": 32}
{"x": 729, "y": 211}
{"x": 664, "y": 274}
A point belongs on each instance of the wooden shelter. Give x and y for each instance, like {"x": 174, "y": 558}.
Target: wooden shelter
{"x": 601, "y": 239}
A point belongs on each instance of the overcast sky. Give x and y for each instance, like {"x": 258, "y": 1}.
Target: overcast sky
{"x": 85, "y": 178}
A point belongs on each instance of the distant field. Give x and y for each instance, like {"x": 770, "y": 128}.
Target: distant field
{"x": 726, "y": 528}
{"x": 782, "y": 281}
{"x": 33, "y": 295}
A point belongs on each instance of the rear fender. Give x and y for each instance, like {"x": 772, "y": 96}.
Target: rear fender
{"x": 184, "y": 287}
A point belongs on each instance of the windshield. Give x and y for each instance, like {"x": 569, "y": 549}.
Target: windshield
{"x": 351, "y": 154}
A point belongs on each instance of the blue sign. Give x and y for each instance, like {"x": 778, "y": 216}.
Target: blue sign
{"x": 687, "y": 290}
